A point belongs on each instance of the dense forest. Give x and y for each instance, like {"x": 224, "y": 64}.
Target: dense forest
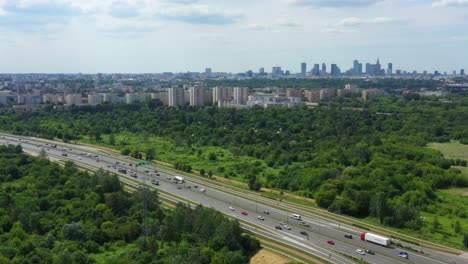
{"x": 54, "y": 214}
{"x": 371, "y": 154}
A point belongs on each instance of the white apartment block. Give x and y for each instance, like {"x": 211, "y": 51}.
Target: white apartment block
{"x": 196, "y": 95}
{"x": 176, "y": 96}
{"x": 241, "y": 95}
{"x": 73, "y": 99}
{"x": 95, "y": 99}
{"x": 50, "y": 98}
{"x": 221, "y": 93}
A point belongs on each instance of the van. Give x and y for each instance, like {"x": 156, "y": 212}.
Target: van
{"x": 296, "y": 216}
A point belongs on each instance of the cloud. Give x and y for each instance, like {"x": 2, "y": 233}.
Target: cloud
{"x": 124, "y": 10}
{"x": 334, "y": 3}
{"x": 444, "y": 3}
{"x": 277, "y": 26}
{"x": 30, "y": 16}
{"x": 345, "y": 25}
{"x": 459, "y": 38}
{"x": 354, "y": 21}
{"x": 198, "y": 14}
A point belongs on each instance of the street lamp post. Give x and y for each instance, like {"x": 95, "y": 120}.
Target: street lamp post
{"x": 422, "y": 232}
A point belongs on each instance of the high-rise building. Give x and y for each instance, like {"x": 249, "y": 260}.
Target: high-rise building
{"x": 462, "y": 72}
{"x": 196, "y": 95}
{"x": 208, "y": 72}
{"x": 390, "y": 69}
{"x": 221, "y": 93}
{"x": 303, "y": 69}
{"x": 73, "y": 99}
{"x": 249, "y": 73}
{"x": 378, "y": 67}
{"x": 324, "y": 69}
{"x": 176, "y": 96}
{"x": 95, "y": 99}
{"x": 335, "y": 70}
{"x": 355, "y": 67}
{"x": 276, "y": 70}
{"x": 261, "y": 71}
{"x": 316, "y": 70}
{"x": 241, "y": 95}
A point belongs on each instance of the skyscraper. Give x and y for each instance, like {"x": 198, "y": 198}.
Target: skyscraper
{"x": 462, "y": 72}
{"x": 377, "y": 67}
{"x": 276, "y": 71}
{"x": 334, "y": 70}
{"x": 390, "y": 69}
{"x": 355, "y": 67}
{"x": 324, "y": 69}
{"x": 208, "y": 72}
{"x": 303, "y": 69}
{"x": 316, "y": 70}
{"x": 261, "y": 71}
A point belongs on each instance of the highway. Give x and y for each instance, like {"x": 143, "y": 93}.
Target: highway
{"x": 233, "y": 202}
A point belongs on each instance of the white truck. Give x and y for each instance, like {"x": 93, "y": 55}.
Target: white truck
{"x": 179, "y": 179}
{"x": 376, "y": 239}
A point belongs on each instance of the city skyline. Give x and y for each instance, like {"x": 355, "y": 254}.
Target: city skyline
{"x": 133, "y": 36}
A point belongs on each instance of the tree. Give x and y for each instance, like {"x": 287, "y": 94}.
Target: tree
{"x": 457, "y": 227}
{"x": 150, "y": 154}
{"x": 202, "y": 172}
{"x": 74, "y": 231}
{"x": 254, "y": 184}
{"x": 112, "y": 139}
{"x": 42, "y": 154}
{"x": 210, "y": 173}
{"x": 465, "y": 240}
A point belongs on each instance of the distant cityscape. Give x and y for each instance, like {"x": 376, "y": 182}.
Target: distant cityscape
{"x": 28, "y": 92}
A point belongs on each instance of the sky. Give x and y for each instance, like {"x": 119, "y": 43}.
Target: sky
{"x": 149, "y": 36}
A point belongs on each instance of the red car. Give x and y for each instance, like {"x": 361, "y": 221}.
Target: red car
{"x": 331, "y": 242}
{"x": 244, "y": 213}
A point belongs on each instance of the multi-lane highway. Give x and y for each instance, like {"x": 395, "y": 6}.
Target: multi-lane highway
{"x": 243, "y": 205}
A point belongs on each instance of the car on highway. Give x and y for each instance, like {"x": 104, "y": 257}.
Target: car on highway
{"x": 282, "y": 223}
{"x": 244, "y": 213}
{"x": 331, "y": 242}
{"x": 178, "y": 187}
{"x": 287, "y": 227}
{"x": 370, "y": 252}
{"x": 403, "y": 254}
{"x": 304, "y": 233}
{"x": 260, "y": 217}
{"x": 195, "y": 186}
{"x": 278, "y": 227}
{"x": 232, "y": 208}
{"x": 266, "y": 212}
{"x": 360, "y": 251}
{"x": 202, "y": 190}
{"x": 348, "y": 236}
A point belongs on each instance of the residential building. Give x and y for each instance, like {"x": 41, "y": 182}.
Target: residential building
{"x": 50, "y": 98}
{"x": 327, "y": 93}
{"x": 176, "y": 96}
{"x": 95, "y": 99}
{"x": 241, "y": 95}
{"x": 222, "y": 93}
{"x": 264, "y": 100}
{"x": 312, "y": 95}
{"x": 291, "y": 92}
{"x": 371, "y": 94}
{"x": 73, "y": 99}
{"x": 196, "y": 95}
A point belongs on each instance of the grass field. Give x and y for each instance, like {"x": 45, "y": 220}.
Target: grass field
{"x": 451, "y": 150}
{"x": 268, "y": 257}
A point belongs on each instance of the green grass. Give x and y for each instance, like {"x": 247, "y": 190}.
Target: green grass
{"x": 115, "y": 250}
{"x": 451, "y": 150}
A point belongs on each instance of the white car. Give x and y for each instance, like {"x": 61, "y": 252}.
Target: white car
{"x": 282, "y": 223}
{"x": 232, "y": 208}
{"x": 287, "y": 227}
{"x": 360, "y": 251}
{"x": 260, "y": 217}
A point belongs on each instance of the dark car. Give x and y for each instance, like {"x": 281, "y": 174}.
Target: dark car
{"x": 370, "y": 252}
{"x": 266, "y": 212}
{"x": 304, "y": 233}
{"x": 348, "y": 236}
{"x": 278, "y": 228}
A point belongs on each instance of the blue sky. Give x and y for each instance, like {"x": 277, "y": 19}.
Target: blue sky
{"x": 92, "y": 36}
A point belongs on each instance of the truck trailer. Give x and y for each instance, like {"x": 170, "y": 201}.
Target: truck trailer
{"x": 376, "y": 239}
{"x": 179, "y": 179}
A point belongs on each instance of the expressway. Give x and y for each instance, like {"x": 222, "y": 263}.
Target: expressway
{"x": 243, "y": 205}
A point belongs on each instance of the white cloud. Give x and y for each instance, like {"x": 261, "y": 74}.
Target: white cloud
{"x": 334, "y": 3}
{"x": 279, "y": 25}
{"x": 443, "y": 3}
{"x": 354, "y": 21}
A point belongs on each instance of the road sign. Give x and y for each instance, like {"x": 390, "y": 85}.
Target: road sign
{"x": 143, "y": 163}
